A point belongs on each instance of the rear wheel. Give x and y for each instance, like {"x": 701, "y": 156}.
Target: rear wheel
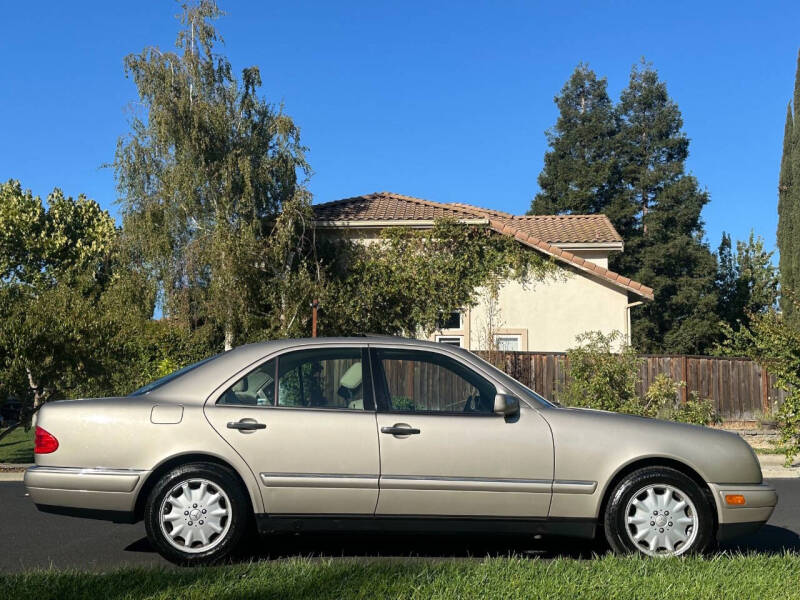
{"x": 658, "y": 511}
{"x": 197, "y": 514}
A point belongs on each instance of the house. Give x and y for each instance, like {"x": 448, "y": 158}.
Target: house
{"x": 542, "y": 316}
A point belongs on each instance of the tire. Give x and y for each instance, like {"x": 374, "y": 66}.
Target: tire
{"x": 639, "y": 509}
{"x": 197, "y": 514}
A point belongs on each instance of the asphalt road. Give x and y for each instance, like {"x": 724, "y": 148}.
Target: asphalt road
{"x": 30, "y": 539}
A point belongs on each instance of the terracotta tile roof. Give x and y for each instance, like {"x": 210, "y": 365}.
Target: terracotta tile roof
{"x": 540, "y": 232}
{"x": 385, "y": 206}
{"x": 569, "y": 228}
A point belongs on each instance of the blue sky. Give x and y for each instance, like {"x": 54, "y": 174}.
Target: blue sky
{"x": 447, "y": 101}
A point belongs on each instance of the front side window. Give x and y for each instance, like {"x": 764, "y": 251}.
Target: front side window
{"x": 324, "y": 378}
{"x": 257, "y": 388}
{"x": 415, "y": 381}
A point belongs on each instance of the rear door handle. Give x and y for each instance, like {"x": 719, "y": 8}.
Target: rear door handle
{"x": 400, "y": 430}
{"x": 246, "y": 425}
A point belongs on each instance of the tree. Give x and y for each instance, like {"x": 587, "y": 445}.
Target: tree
{"x": 403, "y": 284}
{"x": 628, "y": 161}
{"x": 664, "y": 236}
{"x": 580, "y": 174}
{"x": 203, "y": 175}
{"x": 54, "y": 268}
{"x": 789, "y": 202}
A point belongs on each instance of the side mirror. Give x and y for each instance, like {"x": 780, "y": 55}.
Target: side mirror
{"x": 506, "y": 405}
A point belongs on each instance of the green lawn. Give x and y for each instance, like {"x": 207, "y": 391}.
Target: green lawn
{"x": 17, "y": 446}
{"x": 727, "y": 577}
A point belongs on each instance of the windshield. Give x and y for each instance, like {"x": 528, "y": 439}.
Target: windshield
{"x": 174, "y": 375}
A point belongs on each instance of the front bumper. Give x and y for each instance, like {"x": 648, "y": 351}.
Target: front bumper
{"x": 735, "y": 520}
{"x": 99, "y": 493}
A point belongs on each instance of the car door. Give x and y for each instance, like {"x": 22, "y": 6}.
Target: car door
{"x": 304, "y": 422}
{"x": 443, "y": 451}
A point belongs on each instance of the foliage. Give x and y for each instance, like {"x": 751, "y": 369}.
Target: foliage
{"x": 580, "y": 174}
{"x": 203, "y": 174}
{"x": 789, "y": 203}
{"x": 747, "y": 281}
{"x": 696, "y": 410}
{"x": 603, "y": 373}
{"x": 725, "y": 575}
{"x": 663, "y": 394}
{"x": 630, "y": 160}
{"x": 56, "y": 263}
{"x": 774, "y": 341}
{"x": 402, "y": 283}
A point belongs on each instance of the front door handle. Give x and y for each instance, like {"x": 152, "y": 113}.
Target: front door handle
{"x": 395, "y": 430}
{"x": 244, "y": 425}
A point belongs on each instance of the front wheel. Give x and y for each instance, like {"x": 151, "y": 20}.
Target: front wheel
{"x": 196, "y": 514}
{"x": 658, "y": 511}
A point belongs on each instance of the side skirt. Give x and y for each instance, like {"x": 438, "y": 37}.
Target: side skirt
{"x": 422, "y": 524}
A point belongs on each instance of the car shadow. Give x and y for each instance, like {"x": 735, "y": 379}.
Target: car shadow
{"x": 769, "y": 540}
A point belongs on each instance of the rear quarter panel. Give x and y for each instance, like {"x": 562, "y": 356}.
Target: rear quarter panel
{"x": 117, "y": 433}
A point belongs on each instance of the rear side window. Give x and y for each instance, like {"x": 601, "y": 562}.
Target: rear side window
{"x": 415, "y": 381}
{"x": 257, "y": 388}
{"x": 325, "y": 378}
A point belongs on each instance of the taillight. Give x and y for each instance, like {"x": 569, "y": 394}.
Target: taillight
{"x": 44, "y": 442}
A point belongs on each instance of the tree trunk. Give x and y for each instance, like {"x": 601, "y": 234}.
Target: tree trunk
{"x": 37, "y": 391}
{"x": 228, "y": 337}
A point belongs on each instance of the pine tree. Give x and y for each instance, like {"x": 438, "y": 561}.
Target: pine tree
{"x": 785, "y": 213}
{"x": 663, "y": 229}
{"x": 579, "y": 174}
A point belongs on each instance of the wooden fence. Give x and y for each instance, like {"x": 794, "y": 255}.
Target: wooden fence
{"x": 740, "y": 389}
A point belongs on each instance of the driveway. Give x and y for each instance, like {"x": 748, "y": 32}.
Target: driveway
{"x": 32, "y": 539}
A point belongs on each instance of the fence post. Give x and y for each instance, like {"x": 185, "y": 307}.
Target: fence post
{"x": 765, "y": 407}
{"x": 685, "y": 388}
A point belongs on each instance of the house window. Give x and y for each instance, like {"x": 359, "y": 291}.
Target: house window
{"x": 450, "y": 320}
{"x": 451, "y": 340}
{"x": 508, "y": 343}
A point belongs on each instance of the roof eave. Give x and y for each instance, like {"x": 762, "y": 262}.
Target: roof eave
{"x": 609, "y": 246}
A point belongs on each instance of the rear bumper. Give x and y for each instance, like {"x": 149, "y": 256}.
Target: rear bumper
{"x": 736, "y": 520}
{"x": 95, "y": 492}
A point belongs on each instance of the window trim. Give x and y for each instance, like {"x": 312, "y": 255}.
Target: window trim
{"x": 515, "y": 336}
{"x": 381, "y": 384}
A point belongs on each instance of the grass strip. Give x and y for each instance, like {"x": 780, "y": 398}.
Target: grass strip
{"x": 608, "y": 577}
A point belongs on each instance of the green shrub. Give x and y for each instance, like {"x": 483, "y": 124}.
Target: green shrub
{"x": 696, "y": 410}
{"x": 663, "y": 396}
{"x": 604, "y": 372}
{"x": 601, "y": 377}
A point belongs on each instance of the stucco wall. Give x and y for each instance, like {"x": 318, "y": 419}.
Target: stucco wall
{"x": 547, "y": 316}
